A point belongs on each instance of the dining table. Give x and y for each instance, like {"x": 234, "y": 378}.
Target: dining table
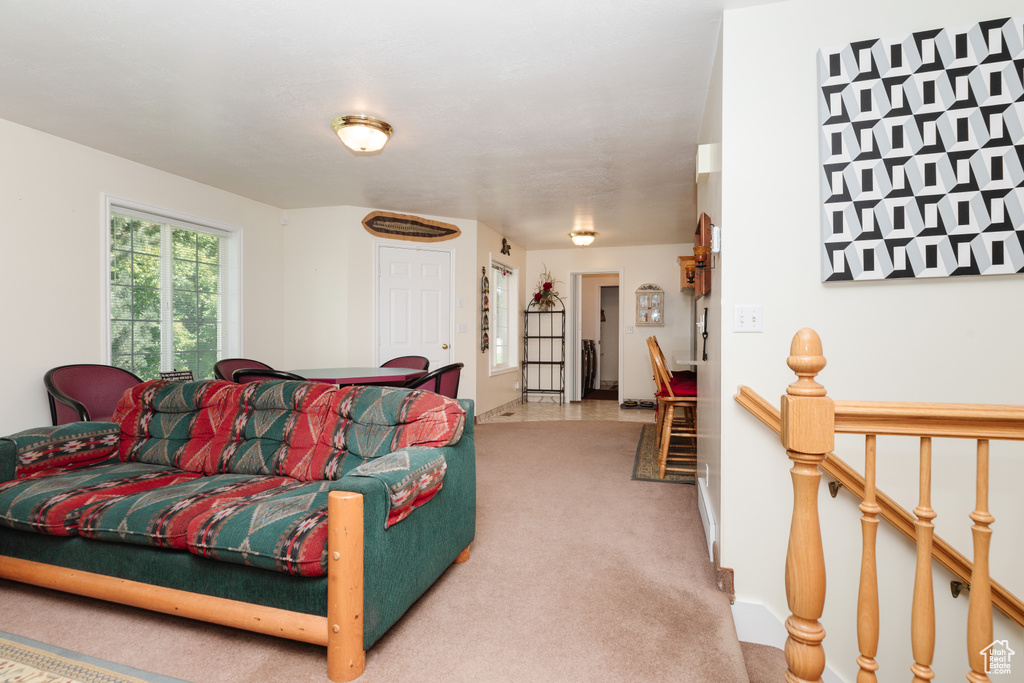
{"x": 392, "y": 377}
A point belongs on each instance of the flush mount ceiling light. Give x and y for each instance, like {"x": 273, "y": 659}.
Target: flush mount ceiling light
{"x": 582, "y": 238}
{"x": 362, "y": 133}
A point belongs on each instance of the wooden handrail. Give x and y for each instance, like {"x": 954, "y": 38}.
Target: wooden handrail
{"x": 1005, "y": 601}
{"x": 937, "y": 420}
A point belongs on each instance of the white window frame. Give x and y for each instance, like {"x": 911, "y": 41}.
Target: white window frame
{"x": 230, "y": 333}
{"x": 512, "y": 323}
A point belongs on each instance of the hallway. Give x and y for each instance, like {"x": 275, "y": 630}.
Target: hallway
{"x": 549, "y": 411}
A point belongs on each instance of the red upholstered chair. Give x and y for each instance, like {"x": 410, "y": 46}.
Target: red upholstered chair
{"x": 677, "y": 413}
{"x": 414, "y": 362}
{"x": 225, "y": 367}
{"x": 246, "y": 375}
{"x": 86, "y": 392}
{"x": 444, "y": 381}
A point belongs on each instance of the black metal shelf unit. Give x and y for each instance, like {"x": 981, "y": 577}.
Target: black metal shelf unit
{"x": 544, "y": 350}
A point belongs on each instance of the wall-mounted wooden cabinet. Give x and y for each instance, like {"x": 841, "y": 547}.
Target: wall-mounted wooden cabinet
{"x": 650, "y": 305}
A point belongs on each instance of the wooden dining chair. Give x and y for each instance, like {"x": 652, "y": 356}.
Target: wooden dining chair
{"x": 677, "y": 415}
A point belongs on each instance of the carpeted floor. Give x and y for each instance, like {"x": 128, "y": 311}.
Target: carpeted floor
{"x": 577, "y": 574}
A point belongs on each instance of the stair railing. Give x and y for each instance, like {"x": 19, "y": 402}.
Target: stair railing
{"x": 809, "y": 421}
{"x": 889, "y": 510}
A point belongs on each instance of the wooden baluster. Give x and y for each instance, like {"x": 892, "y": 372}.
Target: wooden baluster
{"x": 867, "y": 601}
{"x": 808, "y": 434}
{"x": 922, "y": 621}
{"x": 979, "y": 612}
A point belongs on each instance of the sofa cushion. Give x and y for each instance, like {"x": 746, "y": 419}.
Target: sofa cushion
{"x": 173, "y": 423}
{"x": 48, "y": 450}
{"x": 52, "y": 505}
{"x": 412, "y": 476}
{"x": 274, "y": 428}
{"x": 282, "y": 530}
{"x": 161, "y": 516}
{"x": 261, "y": 428}
{"x": 371, "y": 421}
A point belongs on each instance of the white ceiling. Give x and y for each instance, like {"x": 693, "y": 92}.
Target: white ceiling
{"x": 527, "y": 116}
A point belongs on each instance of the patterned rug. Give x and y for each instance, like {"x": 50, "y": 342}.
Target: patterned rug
{"x": 23, "y": 660}
{"x": 645, "y": 465}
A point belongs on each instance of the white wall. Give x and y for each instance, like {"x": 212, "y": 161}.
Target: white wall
{"x": 329, "y": 317}
{"x": 52, "y": 261}
{"x": 950, "y": 340}
{"x": 656, "y": 264}
{"x": 503, "y": 387}
{"x": 709, "y": 375}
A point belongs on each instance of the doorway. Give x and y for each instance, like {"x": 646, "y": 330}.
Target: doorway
{"x": 414, "y": 304}
{"x": 585, "y": 331}
{"x": 608, "y": 344}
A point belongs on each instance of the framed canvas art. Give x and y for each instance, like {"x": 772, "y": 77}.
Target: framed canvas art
{"x": 922, "y": 154}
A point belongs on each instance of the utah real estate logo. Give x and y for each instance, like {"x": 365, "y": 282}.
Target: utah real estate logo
{"x": 997, "y": 657}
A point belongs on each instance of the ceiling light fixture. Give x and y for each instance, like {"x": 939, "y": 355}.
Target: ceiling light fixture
{"x": 362, "y": 133}
{"x": 582, "y": 238}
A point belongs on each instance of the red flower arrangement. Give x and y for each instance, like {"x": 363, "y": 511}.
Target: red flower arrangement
{"x": 545, "y": 296}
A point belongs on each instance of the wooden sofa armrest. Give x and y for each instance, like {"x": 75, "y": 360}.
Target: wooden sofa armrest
{"x": 341, "y": 631}
{"x": 346, "y": 658}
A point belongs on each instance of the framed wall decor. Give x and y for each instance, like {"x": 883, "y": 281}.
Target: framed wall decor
{"x": 922, "y": 154}
{"x": 399, "y": 226}
{"x": 650, "y": 305}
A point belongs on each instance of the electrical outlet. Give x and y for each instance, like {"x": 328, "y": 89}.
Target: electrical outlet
{"x": 748, "y": 319}
{"x": 517, "y": 384}
{"x": 629, "y": 329}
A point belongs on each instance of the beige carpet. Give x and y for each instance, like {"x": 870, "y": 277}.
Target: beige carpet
{"x": 577, "y": 574}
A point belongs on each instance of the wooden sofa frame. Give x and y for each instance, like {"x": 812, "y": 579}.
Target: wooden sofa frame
{"x": 341, "y": 631}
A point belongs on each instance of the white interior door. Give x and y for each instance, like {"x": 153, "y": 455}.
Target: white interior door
{"x": 414, "y": 304}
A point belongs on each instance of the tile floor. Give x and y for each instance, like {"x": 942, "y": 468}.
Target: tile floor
{"x": 549, "y": 411}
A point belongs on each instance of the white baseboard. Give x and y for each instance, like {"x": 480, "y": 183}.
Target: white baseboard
{"x": 756, "y": 624}
{"x": 707, "y": 517}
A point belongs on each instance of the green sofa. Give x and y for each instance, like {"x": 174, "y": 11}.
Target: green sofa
{"x": 360, "y": 497}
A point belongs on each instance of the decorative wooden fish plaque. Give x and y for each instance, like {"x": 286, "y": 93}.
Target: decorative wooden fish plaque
{"x": 396, "y": 226}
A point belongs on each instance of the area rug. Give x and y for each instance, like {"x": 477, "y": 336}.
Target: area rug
{"x": 28, "y": 661}
{"x": 645, "y": 465}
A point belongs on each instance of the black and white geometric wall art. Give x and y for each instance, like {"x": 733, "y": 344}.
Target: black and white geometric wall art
{"x": 922, "y": 154}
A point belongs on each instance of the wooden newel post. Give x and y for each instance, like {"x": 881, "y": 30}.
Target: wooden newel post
{"x": 808, "y": 434}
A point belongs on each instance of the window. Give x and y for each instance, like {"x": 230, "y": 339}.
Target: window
{"x": 173, "y": 293}
{"x": 504, "y": 317}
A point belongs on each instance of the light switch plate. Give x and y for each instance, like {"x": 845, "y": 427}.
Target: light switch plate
{"x": 748, "y": 319}
{"x": 463, "y": 328}
{"x": 629, "y": 329}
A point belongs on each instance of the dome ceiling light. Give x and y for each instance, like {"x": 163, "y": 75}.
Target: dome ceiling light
{"x": 362, "y": 133}
{"x": 582, "y": 238}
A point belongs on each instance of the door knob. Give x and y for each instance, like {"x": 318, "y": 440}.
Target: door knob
{"x": 444, "y": 346}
